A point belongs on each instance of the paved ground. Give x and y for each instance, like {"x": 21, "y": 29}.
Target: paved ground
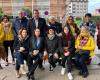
{"x": 8, "y": 73}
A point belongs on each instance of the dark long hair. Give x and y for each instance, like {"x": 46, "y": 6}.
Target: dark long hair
{"x": 69, "y": 33}
{"x": 34, "y": 32}
{"x": 73, "y": 24}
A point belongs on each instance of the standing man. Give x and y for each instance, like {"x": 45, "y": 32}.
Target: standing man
{"x": 88, "y": 22}
{"x": 20, "y": 21}
{"x": 40, "y": 23}
{"x": 37, "y": 22}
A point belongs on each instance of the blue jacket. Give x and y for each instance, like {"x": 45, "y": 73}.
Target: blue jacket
{"x": 18, "y": 23}
{"x": 91, "y": 27}
{"x": 33, "y": 44}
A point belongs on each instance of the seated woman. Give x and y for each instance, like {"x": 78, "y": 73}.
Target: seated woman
{"x": 68, "y": 45}
{"x": 36, "y": 50}
{"x": 85, "y": 44}
{"x": 21, "y": 46}
{"x": 52, "y": 47}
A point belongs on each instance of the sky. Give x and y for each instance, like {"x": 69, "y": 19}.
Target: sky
{"x": 93, "y": 4}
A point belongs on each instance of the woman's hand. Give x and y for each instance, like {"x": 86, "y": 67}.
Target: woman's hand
{"x": 56, "y": 56}
{"x": 79, "y": 47}
{"x": 21, "y": 49}
{"x": 45, "y": 53}
{"x": 67, "y": 53}
{"x": 35, "y": 52}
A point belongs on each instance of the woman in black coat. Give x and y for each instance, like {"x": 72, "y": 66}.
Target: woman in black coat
{"x": 21, "y": 46}
{"x": 68, "y": 49}
{"x": 52, "y": 47}
{"x": 36, "y": 52}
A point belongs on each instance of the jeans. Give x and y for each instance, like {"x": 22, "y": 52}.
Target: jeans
{"x": 20, "y": 57}
{"x": 80, "y": 61}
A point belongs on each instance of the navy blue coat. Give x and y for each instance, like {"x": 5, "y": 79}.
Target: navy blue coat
{"x": 18, "y": 23}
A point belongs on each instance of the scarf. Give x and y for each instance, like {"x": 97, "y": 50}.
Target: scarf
{"x": 21, "y": 38}
{"x": 6, "y": 26}
{"x": 51, "y": 36}
{"x": 83, "y": 38}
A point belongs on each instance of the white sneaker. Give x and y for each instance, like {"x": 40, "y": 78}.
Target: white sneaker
{"x": 70, "y": 77}
{"x": 63, "y": 71}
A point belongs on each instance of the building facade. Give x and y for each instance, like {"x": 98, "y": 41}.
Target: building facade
{"x": 77, "y": 7}
{"x": 52, "y": 7}
{"x": 57, "y": 8}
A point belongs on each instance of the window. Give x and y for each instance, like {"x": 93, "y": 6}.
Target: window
{"x": 73, "y": 11}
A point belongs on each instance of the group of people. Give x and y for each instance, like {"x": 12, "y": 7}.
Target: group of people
{"x": 34, "y": 39}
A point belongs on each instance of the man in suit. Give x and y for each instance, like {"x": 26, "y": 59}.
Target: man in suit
{"x": 37, "y": 22}
{"x": 40, "y": 23}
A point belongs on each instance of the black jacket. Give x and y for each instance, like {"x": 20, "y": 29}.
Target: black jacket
{"x": 70, "y": 44}
{"x": 57, "y": 26}
{"x": 52, "y": 46}
{"x": 24, "y": 43}
{"x": 41, "y": 25}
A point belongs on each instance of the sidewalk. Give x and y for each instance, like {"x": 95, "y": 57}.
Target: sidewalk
{"x": 8, "y": 73}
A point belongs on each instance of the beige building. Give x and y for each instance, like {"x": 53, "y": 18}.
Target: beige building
{"x": 53, "y": 7}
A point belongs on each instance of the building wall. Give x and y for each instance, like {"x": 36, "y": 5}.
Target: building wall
{"x": 28, "y": 4}
{"x": 6, "y": 6}
{"x": 57, "y": 7}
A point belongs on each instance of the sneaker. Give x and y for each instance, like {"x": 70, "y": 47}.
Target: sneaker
{"x": 18, "y": 74}
{"x": 63, "y": 71}
{"x": 70, "y": 77}
{"x": 22, "y": 69}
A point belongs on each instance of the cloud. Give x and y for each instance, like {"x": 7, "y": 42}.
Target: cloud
{"x": 93, "y": 4}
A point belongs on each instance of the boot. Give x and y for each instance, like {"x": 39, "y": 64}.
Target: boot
{"x": 1, "y": 67}
{"x": 18, "y": 74}
{"x": 22, "y": 69}
{"x": 30, "y": 76}
{"x": 85, "y": 74}
{"x": 7, "y": 64}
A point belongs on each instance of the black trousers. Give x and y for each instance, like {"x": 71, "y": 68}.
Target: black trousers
{"x": 32, "y": 66}
{"x": 69, "y": 62}
{"x": 52, "y": 60}
{"x": 9, "y": 44}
